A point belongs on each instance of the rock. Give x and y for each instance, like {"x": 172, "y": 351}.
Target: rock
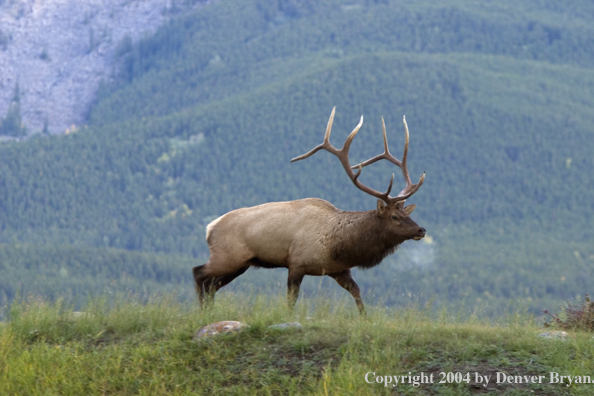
{"x": 557, "y": 334}
{"x": 285, "y": 326}
{"x": 213, "y": 329}
{"x": 80, "y": 315}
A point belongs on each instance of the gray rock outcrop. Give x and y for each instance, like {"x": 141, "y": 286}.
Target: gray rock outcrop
{"x": 59, "y": 50}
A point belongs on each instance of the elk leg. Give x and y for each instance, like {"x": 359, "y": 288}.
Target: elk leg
{"x": 224, "y": 280}
{"x": 347, "y": 282}
{"x": 293, "y": 285}
{"x": 200, "y": 279}
{"x": 206, "y": 286}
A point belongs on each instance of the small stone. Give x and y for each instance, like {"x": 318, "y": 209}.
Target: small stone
{"x": 76, "y": 315}
{"x": 213, "y": 329}
{"x": 557, "y": 334}
{"x": 284, "y": 326}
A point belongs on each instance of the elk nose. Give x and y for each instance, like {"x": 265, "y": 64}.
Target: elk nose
{"x": 421, "y": 232}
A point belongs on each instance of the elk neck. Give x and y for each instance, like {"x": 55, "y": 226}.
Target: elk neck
{"x": 360, "y": 239}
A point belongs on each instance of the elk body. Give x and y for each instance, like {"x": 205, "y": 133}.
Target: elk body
{"x": 310, "y": 236}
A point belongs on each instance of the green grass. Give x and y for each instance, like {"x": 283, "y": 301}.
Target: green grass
{"x": 125, "y": 347}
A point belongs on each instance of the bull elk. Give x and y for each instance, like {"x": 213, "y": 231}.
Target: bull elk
{"x": 310, "y": 236}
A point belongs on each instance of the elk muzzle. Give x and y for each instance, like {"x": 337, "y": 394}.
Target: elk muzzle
{"x": 420, "y": 234}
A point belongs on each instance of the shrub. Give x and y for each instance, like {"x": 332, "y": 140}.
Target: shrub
{"x": 577, "y": 316}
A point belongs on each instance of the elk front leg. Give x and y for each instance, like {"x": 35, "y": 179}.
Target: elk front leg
{"x": 345, "y": 280}
{"x": 293, "y": 285}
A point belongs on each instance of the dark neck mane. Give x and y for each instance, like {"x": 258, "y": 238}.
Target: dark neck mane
{"x": 360, "y": 239}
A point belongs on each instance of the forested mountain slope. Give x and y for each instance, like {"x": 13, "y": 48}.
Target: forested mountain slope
{"x": 207, "y": 113}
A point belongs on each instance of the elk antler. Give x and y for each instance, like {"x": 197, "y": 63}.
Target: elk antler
{"x": 343, "y": 156}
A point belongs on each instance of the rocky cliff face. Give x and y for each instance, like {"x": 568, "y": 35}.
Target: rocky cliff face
{"x": 59, "y": 50}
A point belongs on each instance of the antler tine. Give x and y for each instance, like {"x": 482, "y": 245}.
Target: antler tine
{"x": 390, "y": 187}
{"x": 405, "y": 155}
{"x": 342, "y": 153}
{"x": 410, "y": 188}
{"x": 326, "y": 145}
{"x": 329, "y": 126}
{"x": 386, "y": 150}
{"x": 349, "y": 140}
{"x": 343, "y": 156}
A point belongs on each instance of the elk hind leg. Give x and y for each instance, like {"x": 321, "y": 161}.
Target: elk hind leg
{"x": 203, "y": 283}
{"x": 224, "y": 280}
{"x": 207, "y": 285}
{"x": 346, "y": 281}
{"x": 293, "y": 285}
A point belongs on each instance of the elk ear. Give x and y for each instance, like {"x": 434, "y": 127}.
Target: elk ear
{"x": 409, "y": 209}
{"x": 381, "y": 207}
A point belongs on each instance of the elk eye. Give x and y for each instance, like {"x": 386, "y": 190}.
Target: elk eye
{"x": 394, "y": 217}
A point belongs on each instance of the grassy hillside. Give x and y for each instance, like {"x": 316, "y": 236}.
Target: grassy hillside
{"x": 130, "y": 348}
{"x": 205, "y": 115}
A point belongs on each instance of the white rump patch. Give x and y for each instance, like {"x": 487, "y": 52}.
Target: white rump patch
{"x": 210, "y": 225}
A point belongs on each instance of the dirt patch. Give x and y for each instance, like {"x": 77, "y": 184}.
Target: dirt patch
{"x": 307, "y": 358}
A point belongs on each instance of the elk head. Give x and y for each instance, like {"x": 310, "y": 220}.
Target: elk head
{"x": 396, "y": 217}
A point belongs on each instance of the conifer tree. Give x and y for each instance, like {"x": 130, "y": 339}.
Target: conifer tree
{"x": 12, "y": 124}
